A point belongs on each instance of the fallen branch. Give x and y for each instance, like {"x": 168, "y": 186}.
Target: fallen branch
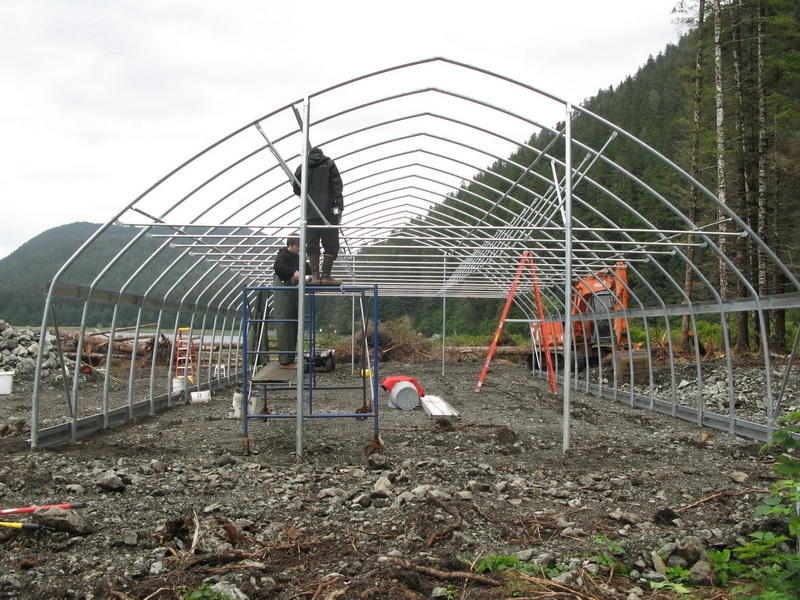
{"x": 385, "y": 536}
{"x": 157, "y": 592}
{"x": 436, "y": 534}
{"x": 499, "y": 522}
{"x": 721, "y": 494}
{"x": 444, "y": 574}
{"x": 220, "y": 559}
{"x": 323, "y": 585}
{"x": 196, "y": 536}
{"x": 450, "y": 528}
{"x": 481, "y": 512}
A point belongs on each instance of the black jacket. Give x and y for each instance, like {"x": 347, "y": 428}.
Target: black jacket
{"x": 286, "y": 263}
{"x": 324, "y": 187}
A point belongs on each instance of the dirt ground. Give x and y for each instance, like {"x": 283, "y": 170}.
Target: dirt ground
{"x": 410, "y": 520}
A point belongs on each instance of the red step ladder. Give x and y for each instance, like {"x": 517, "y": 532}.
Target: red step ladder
{"x": 184, "y": 355}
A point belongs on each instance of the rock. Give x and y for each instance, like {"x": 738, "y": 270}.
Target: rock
{"x": 658, "y": 563}
{"x": 59, "y": 519}
{"x": 228, "y": 590}
{"x": 525, "y": 555}
{"x": 691, "y": 549}
{"x": 130, "y": 538}
{"x": 635, "y": 593}
{"x": 546, "y": 559}
{"x": 702, "y": 574}
{"x": 377, "y": 462}
{"x": 383, "y": 485}
{"x": 569, "y": 578}
{"x": 625, "y": 517}
{"x": 224, "y": 460}
{"x": 478, "y": 488}
{"x": 110, "y": 481}
{"x": 739, "y": 477}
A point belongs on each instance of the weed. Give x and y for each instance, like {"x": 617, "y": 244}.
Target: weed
{"x": 678, "y": 574}
{"x": 204, "y": 592}
{"x": 773, "y": 572}
{"x": 497, "y": 562}
{"x": 606, "y": 556}
{"x": 450, "y": 592}
{"x": 669, "y": 586}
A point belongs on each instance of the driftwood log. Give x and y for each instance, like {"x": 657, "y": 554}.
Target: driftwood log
{"x": 484, "y": 350}
{"x": 95, "y": 346}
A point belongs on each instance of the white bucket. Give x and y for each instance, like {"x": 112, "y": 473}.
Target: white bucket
{"x": 254, "y": 402}
{"x": 200, "y": 397}
{"x": 404, "y": 396}
{"x": 236, "y": 406}
{"x": 177, "y": 384}
{"x": 6, "y": 382}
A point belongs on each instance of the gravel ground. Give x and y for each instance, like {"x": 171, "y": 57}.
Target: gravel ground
{"x": 173, "y": 502}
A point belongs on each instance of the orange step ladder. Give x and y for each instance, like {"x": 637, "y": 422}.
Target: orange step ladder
{"x": 527, "y": 258}
{"x": 184, "y": 355}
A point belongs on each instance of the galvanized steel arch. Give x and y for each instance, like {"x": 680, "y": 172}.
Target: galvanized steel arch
{"x": 412, "y": 143}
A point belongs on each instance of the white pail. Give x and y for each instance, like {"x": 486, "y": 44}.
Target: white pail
{"x": 200, "y": 397}
{"x": 236, "y": 406}
{"x": 177, "y": 384}
{"x": 254, "y": 402}
{"x": 6, "y": 382}
{"x": 404, "y": 396}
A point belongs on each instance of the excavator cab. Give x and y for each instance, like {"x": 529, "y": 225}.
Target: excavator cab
{"x": 593, "y": 334}
{"x": 601, "y": 303}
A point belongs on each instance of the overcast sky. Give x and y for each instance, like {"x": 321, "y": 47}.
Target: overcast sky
{"x": 100, "y": 98}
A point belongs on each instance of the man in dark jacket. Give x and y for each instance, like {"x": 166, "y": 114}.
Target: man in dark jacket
{"x": 324, "y": 199}
{"x": 287, "y": 274}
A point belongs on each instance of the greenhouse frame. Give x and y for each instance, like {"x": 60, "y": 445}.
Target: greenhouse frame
{"x": 445, "y": 197}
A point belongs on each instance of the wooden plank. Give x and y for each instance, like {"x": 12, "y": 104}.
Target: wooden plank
{"x": 272, "y": 373}
{"x": 437, "y": 407}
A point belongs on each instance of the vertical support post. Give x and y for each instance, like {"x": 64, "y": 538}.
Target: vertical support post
{"x": 567, "y": 278}
{"x": 444, "y": 310}
{"x": 301, "y": 286}
{"x": 246, "y": 367}
{"x": 352, "y": 335}
{"x": 375, "y": 386}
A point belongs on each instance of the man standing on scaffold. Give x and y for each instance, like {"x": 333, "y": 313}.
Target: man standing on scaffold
{"x": 324, "y": 202}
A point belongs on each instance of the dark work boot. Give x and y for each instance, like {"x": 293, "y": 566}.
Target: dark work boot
{"x": 325, "y": 273}
{"x": 313, "y": 260}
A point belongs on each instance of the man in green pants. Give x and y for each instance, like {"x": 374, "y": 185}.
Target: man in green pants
{"x": 287, "y": 274}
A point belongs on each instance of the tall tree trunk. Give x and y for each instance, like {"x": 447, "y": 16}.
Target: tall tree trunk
{"x": 688, "y": 282}
{"x": 763, "y": 175}
{"x": 721, "y": 144}
{"x": 743, "y": 201}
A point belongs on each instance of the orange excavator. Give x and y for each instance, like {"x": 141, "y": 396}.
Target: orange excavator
{"x": 593, "y": 333}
